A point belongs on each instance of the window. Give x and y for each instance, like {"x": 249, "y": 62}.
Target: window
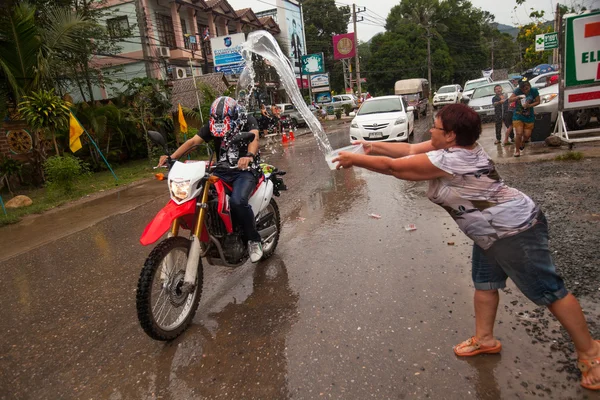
{"x": 166, "y": 33}
{"x": 118, "y": 27}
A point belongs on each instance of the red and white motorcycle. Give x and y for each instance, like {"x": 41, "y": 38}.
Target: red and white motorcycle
{"x": 170, "y": 283}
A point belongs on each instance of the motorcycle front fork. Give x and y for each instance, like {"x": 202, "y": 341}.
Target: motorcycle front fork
{"x": 191, "y": 268}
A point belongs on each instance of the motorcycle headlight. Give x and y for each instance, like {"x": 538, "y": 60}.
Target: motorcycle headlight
{"x": 180, "y": 189}
{"x": 547, "y": 98}
{"x": 353, "y": 125}
{"x": 400, "y": 120}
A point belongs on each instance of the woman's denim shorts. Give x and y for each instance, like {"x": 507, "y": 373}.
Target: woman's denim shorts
{"x": 525, "y": 258}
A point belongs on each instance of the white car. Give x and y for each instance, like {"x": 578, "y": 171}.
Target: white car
{"x": 574, "y": 119}
{"x": 385, "y": 118}
{"x": 471, "y": 85}
{"x": 541, "y": 81}
{"x": 450, "y": 94}
{"x": 481, "y": 100}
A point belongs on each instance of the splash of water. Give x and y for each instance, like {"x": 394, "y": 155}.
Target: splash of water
{"x": 265, "y": 45}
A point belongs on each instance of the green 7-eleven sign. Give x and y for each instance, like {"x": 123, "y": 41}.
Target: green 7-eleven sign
{"x": 582, "y": 50}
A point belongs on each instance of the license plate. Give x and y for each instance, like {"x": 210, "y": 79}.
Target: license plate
{"x": 375, "y": 135}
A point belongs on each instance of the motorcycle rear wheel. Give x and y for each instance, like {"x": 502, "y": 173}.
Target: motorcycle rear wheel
{"x": 163, "y": 309}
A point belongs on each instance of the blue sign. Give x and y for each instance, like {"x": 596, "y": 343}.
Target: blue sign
{"x": 230, "y": 69}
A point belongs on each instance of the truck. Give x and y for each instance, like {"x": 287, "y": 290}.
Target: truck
{"x": 416, "y": 93}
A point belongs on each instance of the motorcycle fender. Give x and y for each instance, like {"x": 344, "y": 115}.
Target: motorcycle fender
{"x": 163, "y": 220}
{"x": 261, "y": 197}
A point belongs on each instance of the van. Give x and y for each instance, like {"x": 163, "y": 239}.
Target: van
{"x": 416, "y": 93}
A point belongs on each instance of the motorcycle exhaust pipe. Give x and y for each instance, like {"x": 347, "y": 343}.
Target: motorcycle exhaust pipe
{"x": 265, "y": 233}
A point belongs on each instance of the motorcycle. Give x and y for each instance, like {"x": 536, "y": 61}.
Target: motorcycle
{"x": 170, "y": 283}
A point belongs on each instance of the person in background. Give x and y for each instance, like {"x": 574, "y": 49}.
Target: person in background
{"x": 500, "y": 102}
{"x": 265, "y": 118}
{"x": 526, "y": 98}
{"x": 276, "y": 111}
{"x": 508, "y": 229}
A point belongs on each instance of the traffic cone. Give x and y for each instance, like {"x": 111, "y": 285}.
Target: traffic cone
{"x": 292, "y": 138}
{"x": 284, "y": 138}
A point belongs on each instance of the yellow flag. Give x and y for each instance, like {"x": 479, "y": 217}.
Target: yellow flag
{"x": 75, "y": 130}
{"x": 182, "y": 123}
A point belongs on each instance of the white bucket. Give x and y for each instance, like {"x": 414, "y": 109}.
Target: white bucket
{"x": 354, "y": 148}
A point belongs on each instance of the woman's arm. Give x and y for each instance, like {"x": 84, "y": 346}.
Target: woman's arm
{"x": 396, "y": 150}
{"x": 536, "y": 102}
{"x": 416, "y": 168}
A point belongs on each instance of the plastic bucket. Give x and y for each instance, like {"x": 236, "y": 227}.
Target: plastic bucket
{"x": 355, "y": 148}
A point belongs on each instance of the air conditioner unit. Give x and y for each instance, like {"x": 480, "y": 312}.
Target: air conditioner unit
{"x": 180, "y": 73}
{"x": 164, "y": 52}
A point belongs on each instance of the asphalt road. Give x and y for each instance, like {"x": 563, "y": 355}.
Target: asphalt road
{"x": 349, "y": 307}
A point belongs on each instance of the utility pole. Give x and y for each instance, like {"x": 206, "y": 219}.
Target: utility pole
{"x": 141, "y": 19}
{"x": 428, "y": 55}
{"x": 356, "y": 47}
{"x": 492, "y": 54}
{"x": 556, "y": 29}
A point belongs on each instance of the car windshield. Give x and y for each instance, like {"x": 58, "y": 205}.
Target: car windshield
{"x": 473, "y": 85}
{"x": 447, "y": 89}
{"x": 486, "y": 91}
{"x": 380, "y": 106}
{"x": 412, "y": 97}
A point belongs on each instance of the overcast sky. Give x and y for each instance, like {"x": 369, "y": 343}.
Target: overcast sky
{"x": 377, "y": 11}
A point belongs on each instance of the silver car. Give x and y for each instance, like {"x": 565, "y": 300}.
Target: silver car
{"x": 481, "y": 100}
{"x": 574, "y": 119}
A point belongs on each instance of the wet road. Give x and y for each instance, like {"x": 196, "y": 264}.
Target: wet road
{"x": 349, "y": 307}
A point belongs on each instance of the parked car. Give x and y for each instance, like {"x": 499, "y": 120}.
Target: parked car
{"x": 289, "y": 110}
{"x": 471, "y": 85}
{"x": 449, "y": 94}
{"x": 416, "y": 93}
{"x": 386, "y": 118}
{"x": 339, "y": 100}
{"x": 481, "y": 100}
{"x": 574, "y": 119}
{"x": 541, "y": 81}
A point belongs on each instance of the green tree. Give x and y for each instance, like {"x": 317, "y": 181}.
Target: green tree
{"x": 46, "y": 113}
{"x": 29, "y": 49}
{"x": 322, "y": 20}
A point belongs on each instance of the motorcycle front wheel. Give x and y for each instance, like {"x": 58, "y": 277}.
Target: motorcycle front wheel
{"x": 165, "y": 307}
{"x": 274, "y": 219}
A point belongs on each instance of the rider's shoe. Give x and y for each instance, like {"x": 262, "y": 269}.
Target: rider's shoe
{"x": 255, "y": 250}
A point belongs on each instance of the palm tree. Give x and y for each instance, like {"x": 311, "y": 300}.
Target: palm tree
{"x": 29, "y": 48}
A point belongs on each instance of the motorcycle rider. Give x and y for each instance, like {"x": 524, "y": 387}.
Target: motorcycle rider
{"x": 237, "y": 164}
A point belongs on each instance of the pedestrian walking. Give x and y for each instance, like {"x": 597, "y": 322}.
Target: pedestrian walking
{"x": 509, "y": 230}
{"x": 526, "y": 98}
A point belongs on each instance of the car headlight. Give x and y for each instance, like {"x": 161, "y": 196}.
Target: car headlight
{"x": 400, "y": 120}
{"x": 353, "y": 125}
{"x": 547, "y": 98}
{"x": 180, "y": 189}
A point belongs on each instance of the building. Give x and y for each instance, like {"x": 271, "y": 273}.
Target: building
{"x": 168, "y": 39}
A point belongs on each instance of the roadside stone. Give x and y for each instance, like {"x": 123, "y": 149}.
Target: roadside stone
{"x": 19, "y": 202}
{"x": 553, "y": 141}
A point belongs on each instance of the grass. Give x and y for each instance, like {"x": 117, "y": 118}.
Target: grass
{"x": 44, "y": 199}
{"x": 570, "y": 156}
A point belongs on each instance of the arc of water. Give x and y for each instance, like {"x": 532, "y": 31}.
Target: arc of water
{"x": 265, "y": 45}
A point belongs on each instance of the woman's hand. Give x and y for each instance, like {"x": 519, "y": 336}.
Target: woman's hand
{"x": 244, "y": 162}
{"x": 162, "y": 161}
{"x": 367, "y": 147}
{"x": 344, "y": 160}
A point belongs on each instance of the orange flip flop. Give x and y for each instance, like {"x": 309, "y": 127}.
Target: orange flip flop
{"x": 478, "y": 348}
{"x": 585, "y": 366}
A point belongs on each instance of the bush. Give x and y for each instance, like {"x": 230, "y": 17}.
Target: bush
{"x": 338, "y": 113}
{"x": 63, "y": 172}
{"x": 570, "y": 156}
{"x": 347, "y": 109}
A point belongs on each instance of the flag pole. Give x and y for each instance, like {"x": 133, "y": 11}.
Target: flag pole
{"x": 3, "y": 208}
{"x": 96, "y": 146}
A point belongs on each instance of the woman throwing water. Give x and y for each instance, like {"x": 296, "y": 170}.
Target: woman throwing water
{"x": 509, "y": 231}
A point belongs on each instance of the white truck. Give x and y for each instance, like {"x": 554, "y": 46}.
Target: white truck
{"x": 416, "y": 93}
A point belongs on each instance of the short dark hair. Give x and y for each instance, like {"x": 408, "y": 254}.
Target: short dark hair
{"x": 522, "y": 84}
{"x": 461, "y": 119}
{"x": 500, "y": 86}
